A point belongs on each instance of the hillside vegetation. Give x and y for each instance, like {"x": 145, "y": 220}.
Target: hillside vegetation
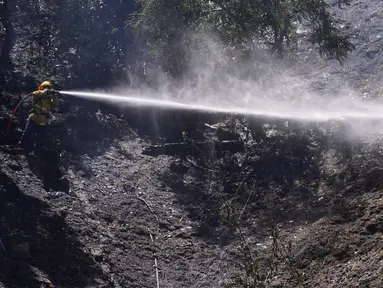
{"x": 127, "y": 197}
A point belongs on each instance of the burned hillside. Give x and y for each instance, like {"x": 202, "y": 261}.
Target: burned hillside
{"x": 137, "y": 197}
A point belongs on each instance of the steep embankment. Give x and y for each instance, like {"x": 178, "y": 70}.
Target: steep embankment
{"x": 99, "y": 229}
{"x": 85, "y": 219}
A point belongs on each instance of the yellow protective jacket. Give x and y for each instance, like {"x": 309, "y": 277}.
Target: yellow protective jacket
{"x": 43, "y": 102}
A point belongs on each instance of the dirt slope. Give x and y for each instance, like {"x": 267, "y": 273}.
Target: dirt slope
{"x": 96, "y": 232}
{"x": 85, "y": 219}
{"x": 106, "y": 216}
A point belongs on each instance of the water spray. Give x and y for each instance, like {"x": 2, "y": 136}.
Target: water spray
{"x": 301, "y": 114}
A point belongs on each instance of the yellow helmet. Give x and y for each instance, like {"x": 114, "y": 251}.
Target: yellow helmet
{"x": 44, "y": 85}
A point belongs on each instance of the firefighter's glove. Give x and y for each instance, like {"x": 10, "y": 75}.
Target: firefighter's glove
{"x": 52, "y": 93}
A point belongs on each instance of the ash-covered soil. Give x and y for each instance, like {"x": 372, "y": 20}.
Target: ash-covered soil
{"x": 305, "y": 200}
{"x": 90, "y": 224}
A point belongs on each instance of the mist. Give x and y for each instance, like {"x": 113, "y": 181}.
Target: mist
{"x": 220, "y": 80}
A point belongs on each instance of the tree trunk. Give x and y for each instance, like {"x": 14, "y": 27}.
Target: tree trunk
{"x": 5, "y": 59}
{"x": 278, "y": 32}
{"x": 285, "y": 32}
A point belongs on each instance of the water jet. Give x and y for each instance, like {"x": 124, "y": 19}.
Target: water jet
{"x": 365, "y": 111}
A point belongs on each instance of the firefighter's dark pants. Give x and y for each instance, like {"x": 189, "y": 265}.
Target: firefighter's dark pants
{"x": 33, "y": 137}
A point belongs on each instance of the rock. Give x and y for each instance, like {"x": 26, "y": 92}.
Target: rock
{"x": 178, "y": 167}
{"x": 23, "y": 250}
{"x": 375, "y": 225}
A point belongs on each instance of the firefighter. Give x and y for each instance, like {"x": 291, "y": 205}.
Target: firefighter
{"x": 44, "y": 100}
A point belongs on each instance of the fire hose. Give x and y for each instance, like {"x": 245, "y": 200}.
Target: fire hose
{"x": 14, "y": 111}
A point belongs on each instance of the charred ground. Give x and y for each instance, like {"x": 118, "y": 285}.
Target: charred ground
{"x": 313, "y": 188}
{"x": 301, "y": 201}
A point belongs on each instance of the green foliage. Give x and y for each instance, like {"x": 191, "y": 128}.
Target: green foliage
{"x": 95, "y": 41}
{"x": 270, "y": 23}
{"x": 166, "y": 24}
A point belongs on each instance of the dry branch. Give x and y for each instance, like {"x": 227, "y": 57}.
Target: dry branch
{"x": 149, "y": 207}
{"x": 155, "y": 260}
{"x": 199, "y": 167}
{"x": 188, "y": 148}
